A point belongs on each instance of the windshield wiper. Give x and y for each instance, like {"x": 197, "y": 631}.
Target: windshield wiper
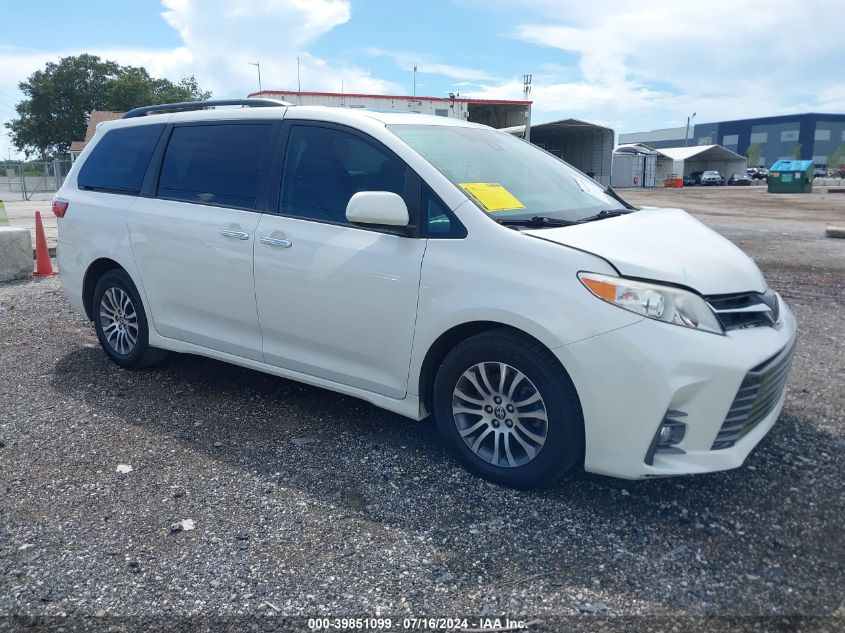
{"x": 610, "y": 191}
{"x": 537, "y": 221}
{"x": 601, "y": 215}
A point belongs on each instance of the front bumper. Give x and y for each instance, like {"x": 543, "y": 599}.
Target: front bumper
{"x": 629, "y": 378}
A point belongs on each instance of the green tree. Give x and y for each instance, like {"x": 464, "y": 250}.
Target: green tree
{"x": 796, "y": 151}
{"x": 837, "y": 159}
{"x": 754, "y": 154}
{"x": 135, "y": 86}
{"x": 59, "y": 98}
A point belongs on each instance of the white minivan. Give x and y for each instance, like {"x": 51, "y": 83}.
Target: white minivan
{"x": 432, "y": 267}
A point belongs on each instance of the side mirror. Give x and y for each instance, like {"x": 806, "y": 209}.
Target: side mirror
{"x": 377, "y": 207}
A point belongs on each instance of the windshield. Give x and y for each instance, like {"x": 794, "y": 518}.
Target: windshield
{"x": 505, "y": 176}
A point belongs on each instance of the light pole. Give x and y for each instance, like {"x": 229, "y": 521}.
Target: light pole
{"x": 526, "y": 90}
{"x": 686, "y": 137}
{"x": 258, "y": 67}
{"x": 298, "y": 84}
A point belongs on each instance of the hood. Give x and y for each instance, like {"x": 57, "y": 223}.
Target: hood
{"x": 664, "y": 245}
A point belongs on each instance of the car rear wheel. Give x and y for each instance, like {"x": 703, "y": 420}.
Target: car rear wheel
{"x": 121, "y": 323}
{"x": 508, "y": 410}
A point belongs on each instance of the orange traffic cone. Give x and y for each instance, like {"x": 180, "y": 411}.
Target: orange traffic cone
{"x": 43, "y": 265}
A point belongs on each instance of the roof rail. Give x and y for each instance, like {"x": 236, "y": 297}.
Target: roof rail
{"x": 201, "y": 105}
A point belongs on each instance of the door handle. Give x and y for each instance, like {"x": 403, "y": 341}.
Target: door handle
{"x": 274, "y": 241}
{"x": 241, "y": 235}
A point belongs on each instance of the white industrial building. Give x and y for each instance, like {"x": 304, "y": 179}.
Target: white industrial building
{"x": 685, "y": 160}
{"x": 639, "y": 165}
{"x": 498, "y": 113}
{"x": 656, "y": 138}
{"x": 585, "y": 146}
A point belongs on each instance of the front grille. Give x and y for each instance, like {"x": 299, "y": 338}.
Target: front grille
{"x": 750, "y": 309}
{"x": 757, "y": 397}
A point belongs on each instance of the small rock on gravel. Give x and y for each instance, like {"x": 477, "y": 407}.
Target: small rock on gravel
{"x": 184, "y": 525}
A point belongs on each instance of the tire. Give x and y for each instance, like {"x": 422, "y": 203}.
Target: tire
{"x": 462, "y": 404}
{"x": 119, "y": 317}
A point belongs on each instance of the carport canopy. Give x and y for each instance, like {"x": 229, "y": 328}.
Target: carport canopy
{"x": 685, "y": 160}
{"x": 585, "y": 146}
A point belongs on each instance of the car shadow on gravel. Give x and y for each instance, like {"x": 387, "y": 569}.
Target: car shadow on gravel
{"x": 701, "y": 543}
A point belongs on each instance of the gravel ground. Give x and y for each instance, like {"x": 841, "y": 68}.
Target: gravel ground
{"x": 306, "y": 502}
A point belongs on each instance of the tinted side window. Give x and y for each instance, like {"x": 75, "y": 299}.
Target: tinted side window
{"x": 438, "y": 219}
{"x": 324, "y": 167}
{"x": 118, "y": 161}
{"x": 216, "y": 164}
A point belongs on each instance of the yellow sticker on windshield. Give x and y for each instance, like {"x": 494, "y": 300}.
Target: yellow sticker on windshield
{"x": 492, "y": 196}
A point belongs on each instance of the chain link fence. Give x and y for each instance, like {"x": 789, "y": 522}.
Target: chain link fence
{"x": 26, "y": 178}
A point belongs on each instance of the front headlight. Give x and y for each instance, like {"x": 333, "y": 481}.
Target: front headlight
{"x": 655, "y": 301}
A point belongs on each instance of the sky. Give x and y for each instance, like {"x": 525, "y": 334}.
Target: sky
{"x": 628, "y": 64}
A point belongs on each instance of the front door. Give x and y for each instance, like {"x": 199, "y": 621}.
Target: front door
{"x": 337, "y": 301}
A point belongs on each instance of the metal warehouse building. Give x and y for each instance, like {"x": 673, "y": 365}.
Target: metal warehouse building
{"x": 634, "y": 166}
{"x": 496, "y": 113}
{"x": 585, "y": 146}
{"x": 810, "y": 136}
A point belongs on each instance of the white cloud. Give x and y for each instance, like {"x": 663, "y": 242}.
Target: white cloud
{"x": 425, "y": 64}
{"x": 652, "y": 64}
{"x": 219, "y": 40}
{"x": 224, "y": 36}
{"x": 638, "y": 65}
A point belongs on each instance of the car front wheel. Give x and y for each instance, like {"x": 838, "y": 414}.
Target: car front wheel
{"x": 508, "y": 410}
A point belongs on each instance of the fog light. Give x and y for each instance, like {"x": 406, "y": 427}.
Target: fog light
{"x": 669, "y": 434}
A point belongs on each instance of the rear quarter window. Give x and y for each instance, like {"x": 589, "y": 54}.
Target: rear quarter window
{"x": 119, "y": 160}
{"x": 217, "y": 164}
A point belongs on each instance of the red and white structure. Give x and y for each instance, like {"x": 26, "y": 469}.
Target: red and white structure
{"x": 584, "y": 145}
{"x": 498, "y": 113}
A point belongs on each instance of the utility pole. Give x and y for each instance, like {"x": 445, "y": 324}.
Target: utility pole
{"x": 258, "y": 66}
{"x": 686, "y": 136}
{"x": 415, "y": 84}
{"x": 298, "y": 84}
{"x": 526, "y": 90}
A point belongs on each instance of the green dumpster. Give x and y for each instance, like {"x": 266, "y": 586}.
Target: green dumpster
{"x": 791, "y": 176}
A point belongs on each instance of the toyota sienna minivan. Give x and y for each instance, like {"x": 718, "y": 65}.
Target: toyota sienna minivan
{"x": 431, "y": 267}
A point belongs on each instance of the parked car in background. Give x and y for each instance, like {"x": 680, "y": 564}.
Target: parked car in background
{"x": 761, "y": 173}
{"x": 821, "y": 172}
{"x": 712, "y": 178}
{"x": 693, "y": 179}
{"x": 739, "y": 179}
{"x": 432, "y": 267}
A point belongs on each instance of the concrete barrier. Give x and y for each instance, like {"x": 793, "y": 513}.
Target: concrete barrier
{"x": 15, "y": 253}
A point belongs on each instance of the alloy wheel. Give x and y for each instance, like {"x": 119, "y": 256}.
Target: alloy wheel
{"x": 119, "y": 320}
{"x": 500, "y": 414}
